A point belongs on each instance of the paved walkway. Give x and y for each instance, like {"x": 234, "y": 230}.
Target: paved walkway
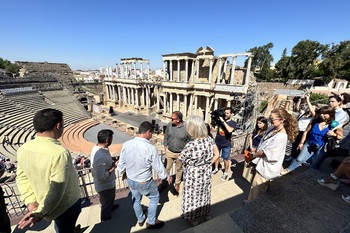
{"x": 226, "y": 196}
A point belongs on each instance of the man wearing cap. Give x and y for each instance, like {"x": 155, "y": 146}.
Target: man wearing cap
{"x": 46, "y": 179}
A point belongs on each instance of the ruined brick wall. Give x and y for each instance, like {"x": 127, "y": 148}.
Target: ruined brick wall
{"x": 275, "y": 85}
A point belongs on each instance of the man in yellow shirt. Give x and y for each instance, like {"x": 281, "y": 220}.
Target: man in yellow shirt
{"x": 46, "y": 178}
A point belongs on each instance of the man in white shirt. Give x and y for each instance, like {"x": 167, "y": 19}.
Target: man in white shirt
{"x": 138, "y": 157}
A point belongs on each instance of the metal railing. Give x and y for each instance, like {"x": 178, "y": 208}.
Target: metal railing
{"x": 16, "y": 208}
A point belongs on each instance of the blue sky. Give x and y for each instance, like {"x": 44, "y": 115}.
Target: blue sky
{"x": 89, "y": 34}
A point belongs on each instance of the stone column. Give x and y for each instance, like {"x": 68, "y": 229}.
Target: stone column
{"x": 165, "y": 103}
{"x": 185, "y": 106}
{"x": 124, "y": 95}
{"x": 225, "y": 68}
{"x": 178, "y": 71}
{"x": 171, "y": 70}
{"x": 197, "y": 70}
{"x": 178, "y": 101}
{"x": 144, "y": 97}
{"x": 171, "y": 104}
{"x": 196, "y": 103}
{"x": 216, "y": 102}
{"x": 233, "y": 69}
{"x": 158, "y": 99}
{"x": 119, "y": 95}
{"x": 148, "y": 98}
{"x": 210, "y": 69}
{"x": 192, "y": 71}
{"x": 246, "y": 80}
{"x": 207, "y": 109}
{"x": 137, "y": 97}
{"x": 129, "y": 96}
{"x": 141, "y": 70}
{"x": 191, "y": 104}
{"x": 132, "y": 96}
{"x": 135, "y": 70}
{"x": 113, "y": 88}
{"x": 148, "y": 72}
{"x": 219, "y": 73}
{"x": 186, "y": 71}
{"x": 164, "y": 70}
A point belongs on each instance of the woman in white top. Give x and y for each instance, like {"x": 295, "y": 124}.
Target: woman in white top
{"x": 270, "y": 153}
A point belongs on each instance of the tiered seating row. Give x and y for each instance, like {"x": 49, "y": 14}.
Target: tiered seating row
{"x": 73, "y": 137}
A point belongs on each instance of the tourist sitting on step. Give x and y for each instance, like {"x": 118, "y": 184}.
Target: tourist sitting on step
{"x": 333, "y": 180}
{"x": 315, "y": 138}
{"x": 270, "y": 153}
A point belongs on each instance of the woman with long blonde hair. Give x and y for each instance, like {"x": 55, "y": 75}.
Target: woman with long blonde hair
{"x": 270, "y": 153}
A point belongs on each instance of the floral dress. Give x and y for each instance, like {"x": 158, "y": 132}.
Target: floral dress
{"x": 196, "y": 158}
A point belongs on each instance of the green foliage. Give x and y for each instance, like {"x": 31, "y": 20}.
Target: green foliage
{"x": 8, "y": 66}
{"x": 304, "y": 58}
{"x": 263, "y": 105}
{"x": 336, "y": 62}
{"x": 318, "y": 98}
{"x": 262, "y": 61}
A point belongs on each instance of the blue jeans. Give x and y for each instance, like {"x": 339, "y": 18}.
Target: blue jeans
{"x": 305, "y": 154}
{"x": 65, "y": 223}
{"x": 225, "y": 152}
{"x": 149, "y": 189}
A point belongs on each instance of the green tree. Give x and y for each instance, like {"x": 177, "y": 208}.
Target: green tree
{"x": 8, "y": 66}
{"x": 261, "y": 61}
{"x": 304, "y": 58}
{"x": 284, "y": 67}
{"x": 336, "y": 62}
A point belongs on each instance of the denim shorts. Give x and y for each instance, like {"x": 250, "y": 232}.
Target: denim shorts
{"x": 225, "y": 152}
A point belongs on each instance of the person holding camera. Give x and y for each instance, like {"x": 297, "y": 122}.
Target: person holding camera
{"x": 103, "y": 172}
{"x": 315, "y": 138}
{"x": 223, "y": 140}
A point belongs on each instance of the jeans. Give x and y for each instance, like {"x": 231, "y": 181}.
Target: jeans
{"x": 107, "y": 200}
{"x": 65, "y": 223}
{"x": 225, "y": 152}
{"x": 305, "y": 154}
{"x": 149, "y": 189}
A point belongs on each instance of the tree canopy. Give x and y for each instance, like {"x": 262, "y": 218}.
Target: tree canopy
{"x": 8, "y": 66}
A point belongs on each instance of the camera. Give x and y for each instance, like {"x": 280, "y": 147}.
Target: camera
{"x": 216, "y": 114}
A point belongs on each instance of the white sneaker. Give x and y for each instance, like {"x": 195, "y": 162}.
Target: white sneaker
{"x": 215, "y": 171}
{"x": 224, "y": 177}
{"x": 346, "y": 198}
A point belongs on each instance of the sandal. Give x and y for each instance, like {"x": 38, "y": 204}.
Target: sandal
{"x": 333, "y": 186}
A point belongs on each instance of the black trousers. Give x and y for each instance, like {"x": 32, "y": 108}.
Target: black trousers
{"x": 107, "y": 200}
{"x": 5, "y": 225}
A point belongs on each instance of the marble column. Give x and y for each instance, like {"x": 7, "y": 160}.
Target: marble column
{"x": 137, "y": 97}
{"x": 219, "y": 73}
{"x": 171, "y": 104}
{"x": 246, "y": 80}
{"x": 178, "y": 71}
{"x": 210, "y": 70}
{"x": 185, "y": 106}
{"x": 158, "y": 99}
{"x": 186, "y": 71}
{"x": 132, "y": 96}
{"x": 171, "y": 70}
{"x": 165, "y": 103}
{"x": 197, "y": 70}
{"x": 233, "y": 69}
{"x": 164, "y": 70}
{"x": 178, "y": 101}
{"x": 207, "y": 109}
